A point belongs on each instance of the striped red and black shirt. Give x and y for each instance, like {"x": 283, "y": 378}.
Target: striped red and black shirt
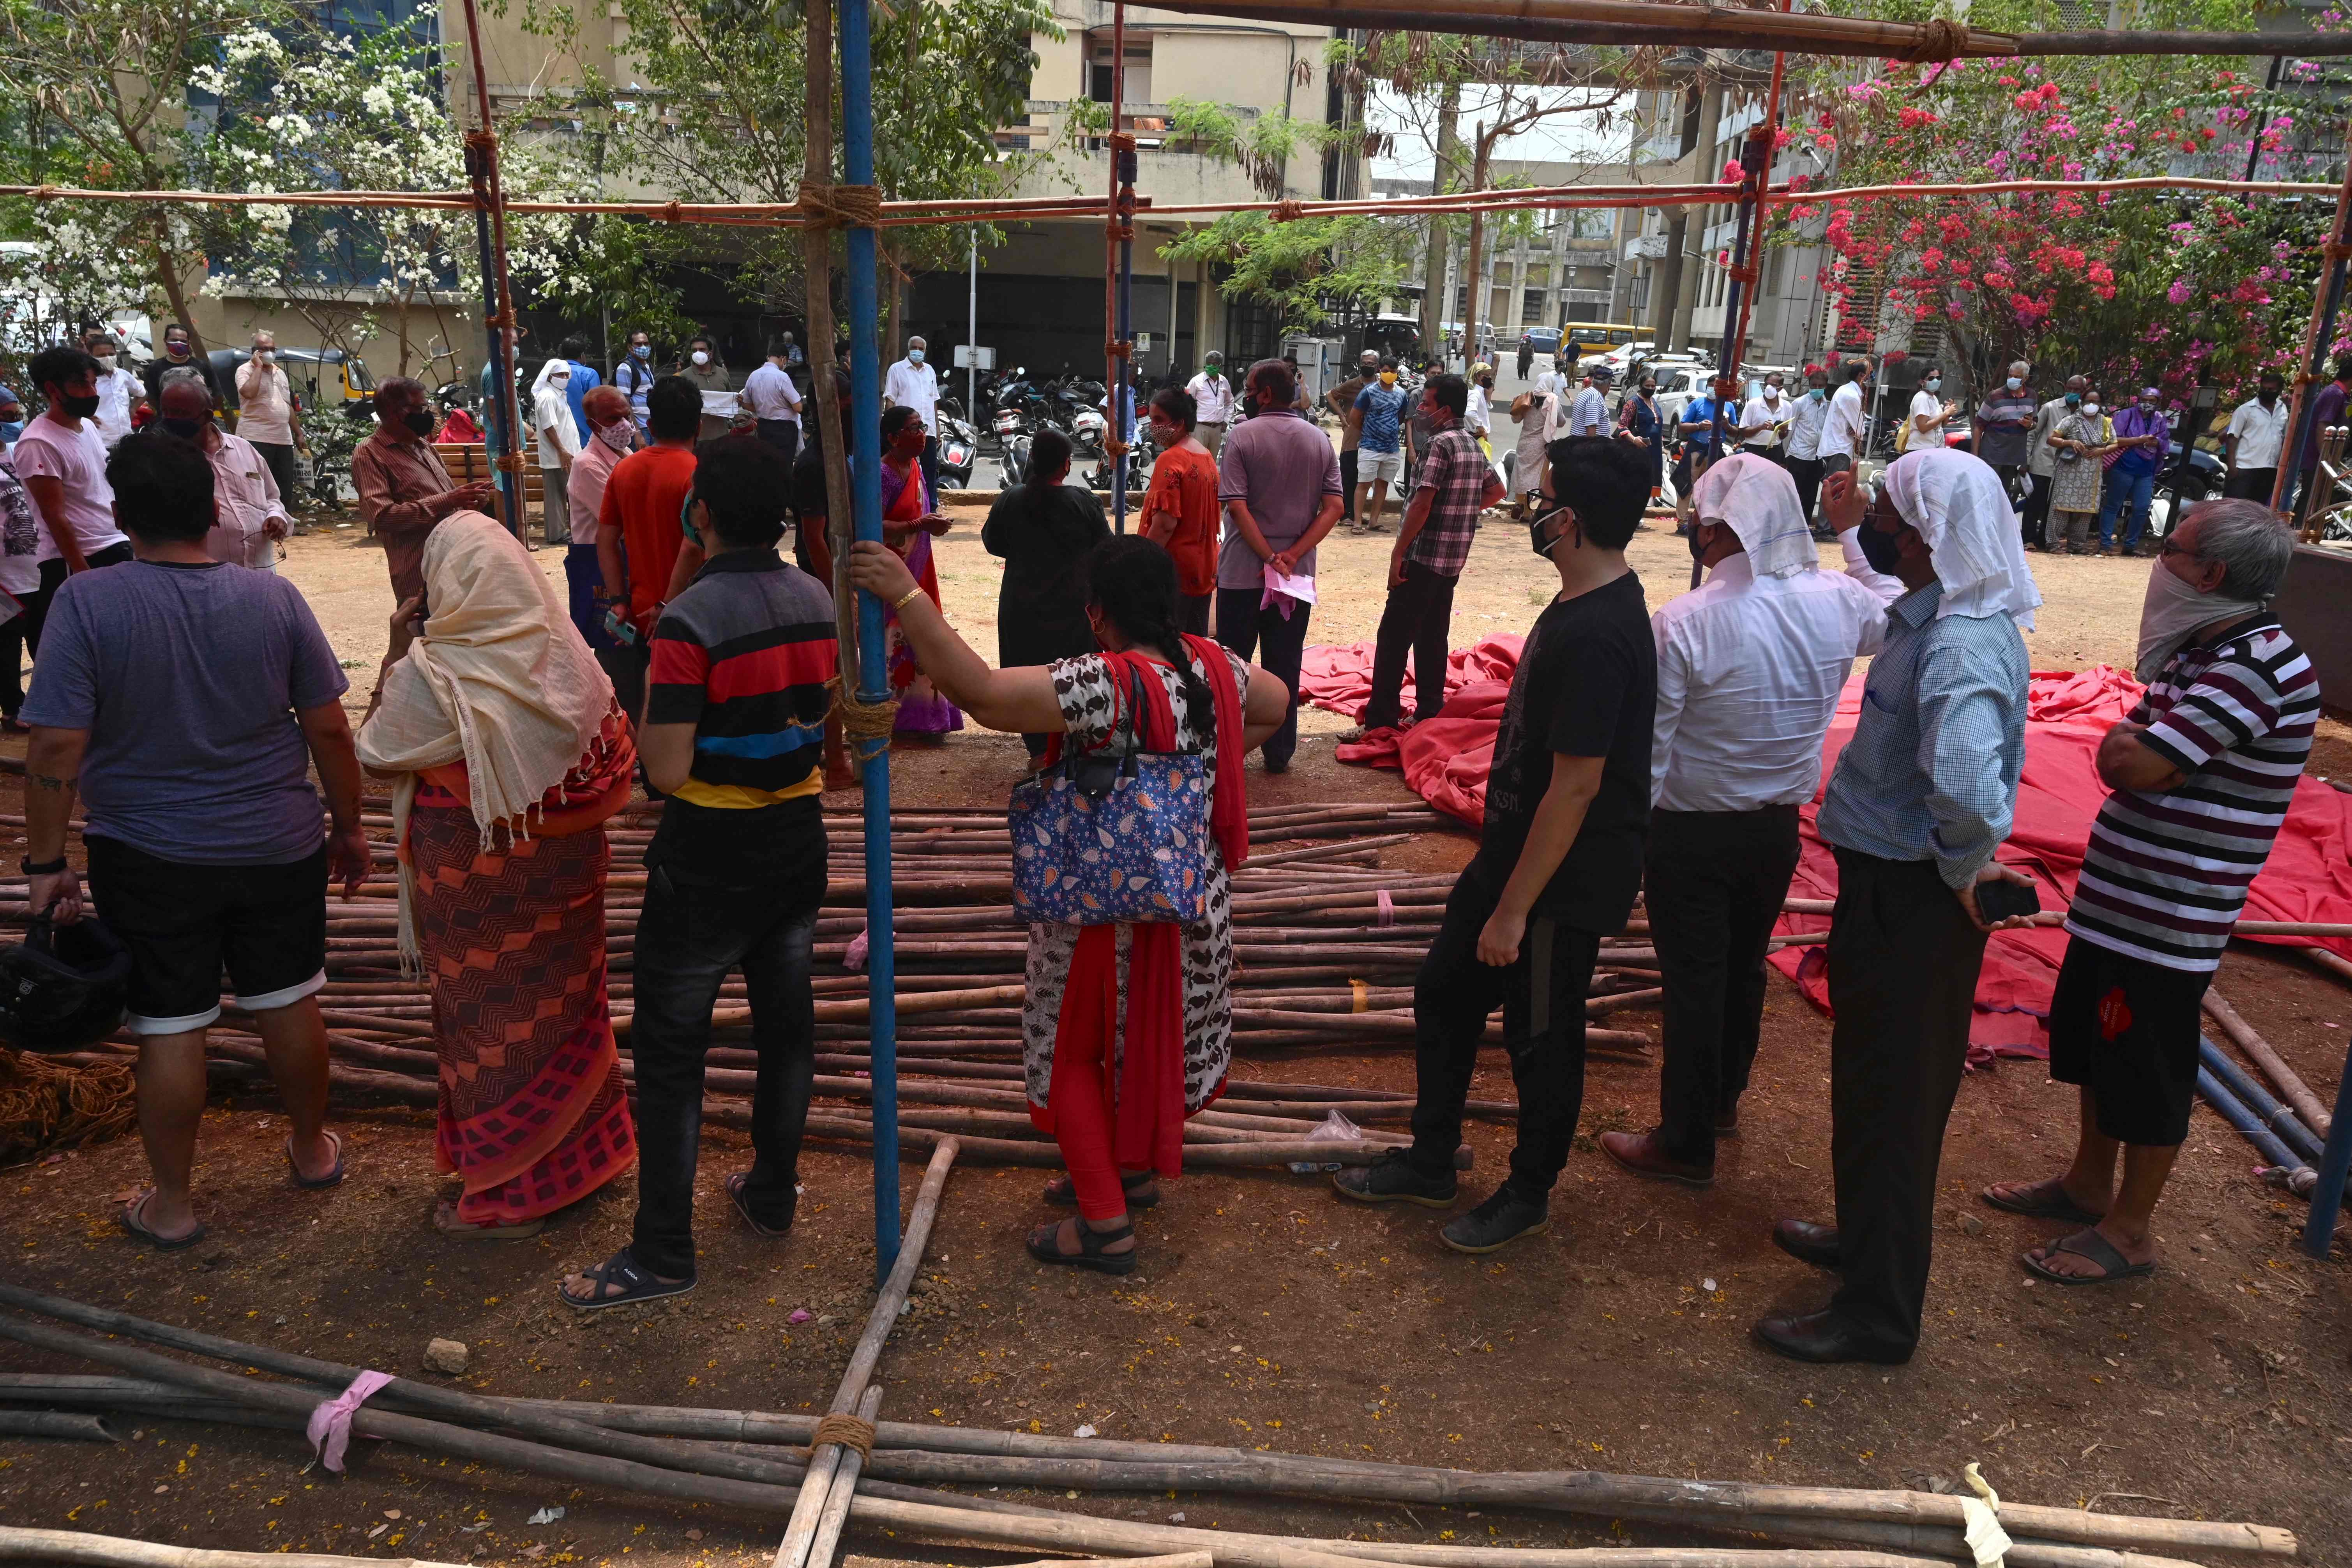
{"x": 2165, "y": 873}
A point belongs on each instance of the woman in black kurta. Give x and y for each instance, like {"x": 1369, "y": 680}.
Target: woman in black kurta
{"x": 1044, "y": 531}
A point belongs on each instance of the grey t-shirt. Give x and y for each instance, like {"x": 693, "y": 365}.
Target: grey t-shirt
{"x": 187, "y": 679}
{"x": 1280, "y": 467}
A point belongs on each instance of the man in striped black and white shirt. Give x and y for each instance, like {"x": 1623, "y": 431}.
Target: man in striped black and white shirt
{"x": 2202, "y": 771}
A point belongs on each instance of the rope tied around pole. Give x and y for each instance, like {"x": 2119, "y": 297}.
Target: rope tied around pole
{"x": 1286, "y": 212}
{"x": 867, "y": 725}
{"x": 1941, "y": 40}
{"x": 841, "y": 206}
{"x": 512, "y": 463}
{"x": 846, "y": 1430}
{"x": 1121, "y": 140}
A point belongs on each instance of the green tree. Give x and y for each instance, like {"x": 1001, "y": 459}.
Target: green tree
{"x": 1309, "y": 270}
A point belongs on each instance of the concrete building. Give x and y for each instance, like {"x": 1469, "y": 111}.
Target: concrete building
{"x": 1564, "y": 267}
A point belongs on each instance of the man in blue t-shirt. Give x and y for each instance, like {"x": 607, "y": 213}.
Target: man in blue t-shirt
{"x": 2145, "y": 435}
{"x": 585, "y": 380}
{"x": 1705, "y": 422}
{"x": 1380, "y": 447}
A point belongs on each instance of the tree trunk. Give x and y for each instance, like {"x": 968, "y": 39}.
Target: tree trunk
{"x": 175, "y": 291}
{"x": 1449, "y": 148}
{"x": 1473, "y": 294}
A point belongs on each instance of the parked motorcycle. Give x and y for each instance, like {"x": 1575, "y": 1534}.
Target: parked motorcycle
{"x": 959, "y": 451}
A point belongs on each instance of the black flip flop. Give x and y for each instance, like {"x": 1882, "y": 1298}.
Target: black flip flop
{"x": 333, "y": 1178}
{"x": 2098, "y": 1249}
{"x": 1044, "y": 1245}
{"x": 2054, "y": 1204}
{"x": 1063, "y": 1192}
{"x": 735, "y": 1184}
{"x": 139, "y": 1228}
{"x": 636, "y": 1285}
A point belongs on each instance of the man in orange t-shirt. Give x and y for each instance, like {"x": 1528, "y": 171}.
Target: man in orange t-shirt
{"x": 1181, "y": 511}
{"x": 639, "y": 531}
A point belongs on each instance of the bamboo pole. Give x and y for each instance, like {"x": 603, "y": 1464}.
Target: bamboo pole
{"x": 80, "y": 1549}
{"x": 55, "y": 1424}
{"x": 843, "y": 1491}
{"x": 2285, "y": 1078}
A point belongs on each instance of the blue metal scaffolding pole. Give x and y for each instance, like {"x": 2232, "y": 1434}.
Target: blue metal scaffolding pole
{"x": 873, "y": 668}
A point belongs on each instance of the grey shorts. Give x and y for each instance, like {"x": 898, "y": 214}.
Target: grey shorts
{"x": 1379, "y": 467}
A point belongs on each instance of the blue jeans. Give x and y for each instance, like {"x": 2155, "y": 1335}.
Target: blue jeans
{"x": 2134, "y": 490}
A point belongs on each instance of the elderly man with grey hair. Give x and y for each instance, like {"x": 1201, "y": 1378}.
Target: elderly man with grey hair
{"x": 2201, "y": 772}
{"x": 2004, "y": 425}
{"x": 915, "y": 384}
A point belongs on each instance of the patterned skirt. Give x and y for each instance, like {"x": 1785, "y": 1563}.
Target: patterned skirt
{"x": 533, "y": 1113}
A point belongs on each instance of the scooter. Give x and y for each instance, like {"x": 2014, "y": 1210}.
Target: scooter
{"x": 959, "y": 451}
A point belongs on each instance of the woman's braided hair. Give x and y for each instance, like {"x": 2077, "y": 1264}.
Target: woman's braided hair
{"x": 1133, "y": 582}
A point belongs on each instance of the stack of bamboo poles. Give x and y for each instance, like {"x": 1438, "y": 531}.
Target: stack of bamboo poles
{"x": 1325, "y": 946}
{"x": 736, "y": 1459}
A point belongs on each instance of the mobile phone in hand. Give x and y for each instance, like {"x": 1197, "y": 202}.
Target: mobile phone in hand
{"x": 618, "y": 627}
{"x": 2003, "y": 900}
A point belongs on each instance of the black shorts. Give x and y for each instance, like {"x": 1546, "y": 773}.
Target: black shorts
{"x": 2127, "y": 1030}
{"x": 184, "y": 922}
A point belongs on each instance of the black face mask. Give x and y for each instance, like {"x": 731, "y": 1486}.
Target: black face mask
{"x": 185, "y": 430}
{"x": 1884, "y": 551}
{"x": 79, "y": 407}
{"x": 1536, "y": 529}
{"x": 1696, "y": 549}
{"x": 418, "y": 420}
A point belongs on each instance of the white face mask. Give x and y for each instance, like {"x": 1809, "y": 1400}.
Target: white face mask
{"x": 2090, "y": 410}
{"x": 2173, "y": 612}
{"x": 700, "y": 358}
{"x": 2015, "y": 382}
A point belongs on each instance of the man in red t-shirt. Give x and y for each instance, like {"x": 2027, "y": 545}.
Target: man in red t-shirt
{"x": 639, "y": 530}
{"x": 1181, "y": 511}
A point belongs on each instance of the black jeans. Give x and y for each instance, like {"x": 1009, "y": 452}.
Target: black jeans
{"x": 1714, "y": 886}
{"x": 627, "y": 664}
{"x": 1193, "y": 612}
{"x": 1903, "y": 962}
{"x": 784, "y": 436}
{"x": 1807, "y": 472}
{"x": 1542, "y": 995}
{"x": 11, "y": 666}
{"x": 53, "y": 577}
{"x": 931, "y": 461}
{"x": 688, "y": 938}
{"x": 1417, "y": 617}
{"x": 2035, "y": 524}
{"x": 1278, "y": 645}
{"x": 1348, "y": 482}
{"x": 279, "y": 456}
{"x": 2249, "y": 484}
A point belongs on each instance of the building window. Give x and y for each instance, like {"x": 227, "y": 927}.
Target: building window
{"x": 1531, "y": 308}
{"x": 1138, "y": 69}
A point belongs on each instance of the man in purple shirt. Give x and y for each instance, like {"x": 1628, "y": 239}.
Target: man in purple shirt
{"x": 1278, "y": 477}
{"x": 2145, "y": 435}
{"x": 2326, "y": 409}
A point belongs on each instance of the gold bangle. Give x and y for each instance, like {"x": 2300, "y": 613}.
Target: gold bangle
{"x": 907, "y": 598}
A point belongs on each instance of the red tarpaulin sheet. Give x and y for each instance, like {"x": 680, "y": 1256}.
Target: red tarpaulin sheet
{"x": 2308, "y": 877}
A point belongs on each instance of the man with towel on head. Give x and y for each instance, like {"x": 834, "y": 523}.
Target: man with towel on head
{"x": 1922, "y": 795}
{"x": 1749, "y": 668}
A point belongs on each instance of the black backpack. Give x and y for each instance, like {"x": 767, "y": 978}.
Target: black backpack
{"x": 64, "y": 987}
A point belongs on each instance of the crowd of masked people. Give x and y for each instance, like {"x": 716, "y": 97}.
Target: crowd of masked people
{"x": 183, "y": 702}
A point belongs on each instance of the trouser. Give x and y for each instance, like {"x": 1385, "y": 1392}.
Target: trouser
{"x": 1770, "y": 454}
{"x": 1193, "y": 612}
{"x": 627, "y": 664}
{"x": 931, "y": 462}
{"x": 2135, "y": 491}
{"x": 583, "y": 577}
{"x": 1903, "y": 962}
{"x": 1277, "y": 644}
{"x": 688, "y": 939}
{"x": 1807, "y": 473}
{"x": 1713, "y": 887}
{"x": 1347, "y": 484}
{"x": 2250, "y": 484}
{"x": 279, "y": 456}
{"x": 1213, "y": 437}
{"x": 2071, "y": 531}
{"x": 53, "y": 577}
{"x": 1542, "y": 995}
{"x": 11, "y": 666}
{"x": 1416, "y": 618}
{"x": 2034, "y": 526}
{"x": 555, "y": 505}
{"x": 784, "y": 436}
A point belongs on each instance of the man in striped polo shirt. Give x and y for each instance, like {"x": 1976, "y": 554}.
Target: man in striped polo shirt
{"x": 734, "y": 733}
{"x": 2202, "y": 771}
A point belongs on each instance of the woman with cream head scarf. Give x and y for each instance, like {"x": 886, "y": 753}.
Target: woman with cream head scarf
{"x": 507, "y": 754}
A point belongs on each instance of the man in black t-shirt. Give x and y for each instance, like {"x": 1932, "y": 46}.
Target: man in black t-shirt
{"x": 1558, "y": 862}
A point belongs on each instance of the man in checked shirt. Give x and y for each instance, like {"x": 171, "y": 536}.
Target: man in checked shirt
{"x": 1455, "y": 484}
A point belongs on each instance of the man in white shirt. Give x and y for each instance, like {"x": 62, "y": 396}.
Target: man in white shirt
{"x": 1842, "y": 431}
{"x": 249, "y": 519}
{"x": 1588, "y": 411}
{"x": 1749, "y": 669}
{"x": 61, "y": 458}
{"x": 1806, "y": 418}
{"x": 1551, "y": 379}
{"x": 118, "y": 391}
{"x": 559, "y": 446}
{"x": 266, "y": 415}
{"x": 1760, "y": 421}
{"x": 775, "y": 401}
{"x": 2249, "y": 447}
{"x": 1212, "y": 399}
{"x": 913, "y": 384}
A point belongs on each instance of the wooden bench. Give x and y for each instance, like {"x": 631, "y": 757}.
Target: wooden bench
{"x": 470, "y": 460}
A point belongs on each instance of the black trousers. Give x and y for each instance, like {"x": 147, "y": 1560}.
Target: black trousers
{"x": 53, "y": 577}
{"x": 1542, "y": 995}
{"x": 1276, "y": 645}
{"x": 11, "y": 666}
{"x": 931, "y": 462}
{"x": 2035, "y": 524}
{"x": 1903, "y": 962}
{"x": 628, "y": 663}
{"x": 1807, "y": 473}
{"x": 2250, "y": 484}
{"x": 1713, "y": 886}
{"x": 279, "y": 456}
{"x": 1347, "y": 483}
{"x": 690, "y": 937}
{"x": 784, "y": 436}
{"x": 1417, "y": 617}
{"x": 1193, "y": 612}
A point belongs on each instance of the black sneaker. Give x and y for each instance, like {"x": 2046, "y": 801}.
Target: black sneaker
{"x": 1393, "y": 1179}
{"x": 1493, "y": 1224}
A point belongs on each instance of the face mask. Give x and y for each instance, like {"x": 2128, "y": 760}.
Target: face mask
{"x": 2073, "y": 400}
{"x": 559, "y": 382}
{"x": 176, "y": 348}
{"x": 2269, "y": 394}
{"x": 914, "y": 356}
{"x": 1388, "y": 378}
{"x": 700, "y": 358}
{"x": 641, "y": 350}
{"x": 1165, "y": 434}
{"x": 418, "y": 420}
{"x": 2090, "y": 411}
{"x": 185, "y": 430}
{"x": 2172, "y": 613}
{"x": 1882, "y": 550}
{"x": 2015, "y": 382}
{"x": 616, "y": 434}
{"x": 1698, "y": 549}
{"x": 1771, "y": 395}
{"x": 79, "y": 407}
{"x": 1934, "y": 381}
{"x": 1818, "y": 394}
{"x": 105, "y": 362}
{"x": 265, "y": 356}
{"x": 1542, "y": 520}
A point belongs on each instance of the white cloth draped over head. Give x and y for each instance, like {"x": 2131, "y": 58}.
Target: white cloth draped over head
{"x": 1962, "y": 509}
{"x": 547, "y": 372}
{"x": 499, "y": 679}
{"x": 1757, "y": 499}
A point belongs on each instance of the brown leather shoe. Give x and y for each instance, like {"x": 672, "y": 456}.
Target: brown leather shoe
{"x": 1640, "y": 1153}
{"x": 1807, "y": 1242}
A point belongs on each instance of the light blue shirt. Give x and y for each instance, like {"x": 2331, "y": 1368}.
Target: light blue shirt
{"x": 1931, "y": 773}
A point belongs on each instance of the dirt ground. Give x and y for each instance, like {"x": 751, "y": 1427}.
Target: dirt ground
{"x": 1265, "y": 1313}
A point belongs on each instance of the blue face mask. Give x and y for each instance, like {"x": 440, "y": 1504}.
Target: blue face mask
{"x": 914, "y": 356}
{"x": 641, "y": 350}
